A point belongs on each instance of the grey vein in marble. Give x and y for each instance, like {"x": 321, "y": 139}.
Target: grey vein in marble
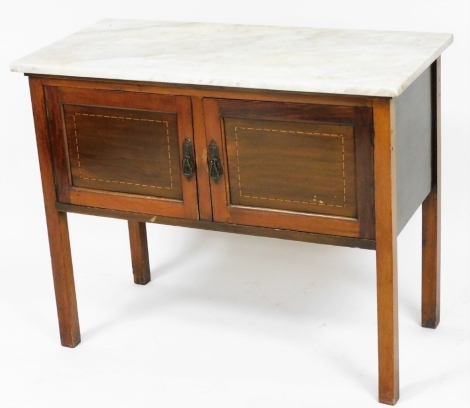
{"x": 354, "y": 62}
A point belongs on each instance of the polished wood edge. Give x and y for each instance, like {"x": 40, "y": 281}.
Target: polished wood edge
{"x": 223, "y": 227}
{"x": 365, "y": 189}
{"x": 139, "y": 252}
{"x": 57, "y": 227}
{"x": 184, "y": 118}
{"x": 205, "y": 90}
{"x": 202, "y": 171}
{"x": 386, "y": 249}
{"x": 224, "y": 212}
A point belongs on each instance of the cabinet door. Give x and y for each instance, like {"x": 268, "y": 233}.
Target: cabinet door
{"x": 122, "y": 150}
{"x": 292, "y": 166}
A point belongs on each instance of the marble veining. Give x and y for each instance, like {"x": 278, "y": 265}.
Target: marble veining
{"x": 354, "y": 62}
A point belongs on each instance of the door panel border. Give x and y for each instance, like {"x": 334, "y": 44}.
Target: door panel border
{"x": 57, "y": 96}
{"x": 359, "y": 117}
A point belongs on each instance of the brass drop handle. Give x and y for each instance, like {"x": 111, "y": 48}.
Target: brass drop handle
{"x": 215, "y": 167}
{"x": 188, "y": 159}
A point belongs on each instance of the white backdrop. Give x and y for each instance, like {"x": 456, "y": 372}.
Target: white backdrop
{"x": 227, "y": 321}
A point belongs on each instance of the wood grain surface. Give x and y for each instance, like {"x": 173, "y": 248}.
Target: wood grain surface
{"x": 386, "y": 249}
{"x": 57, "y": 228}
{"x": 121, "y": 150}
{"x": 292, "y": 166}
{"x": 139, "y": 252}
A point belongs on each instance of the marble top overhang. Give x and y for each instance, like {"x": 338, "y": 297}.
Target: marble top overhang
{"x": 352, "y": 62}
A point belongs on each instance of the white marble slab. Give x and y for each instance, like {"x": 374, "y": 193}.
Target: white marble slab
{"x": 375, "y": 63}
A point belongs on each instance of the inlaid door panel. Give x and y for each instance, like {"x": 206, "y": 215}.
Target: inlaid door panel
{"x": 122, "y": 150}
{"x": 292, "y": 166}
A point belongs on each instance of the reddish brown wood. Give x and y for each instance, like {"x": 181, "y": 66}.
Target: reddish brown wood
{"x": 118, "y": 98}
{"x": 111, "y": 200}
{"x": 227, "y": 116}
{"x": 139, "y": 252}
{"x": 386, "y": 250}
{"x": 185, "y": 131}
{"x": 222, "y": 227}
{"x": 60, "y": 159}
{"x": 285, "y": 111}
{"x": 364, "y": 156}
{"x": 121, "y": 150}
{"x": 59, "y": 242}
{"x": 431, "y": 213}
{"x": 272, "y": 178}
{"x": 213, "y": 132}
{"x": 204, "y": 91}
{"x": 203, "y": 186}
{"x": 291, "y": 166}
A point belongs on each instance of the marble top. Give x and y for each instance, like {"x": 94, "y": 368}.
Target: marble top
{"x": 354, "y": 62}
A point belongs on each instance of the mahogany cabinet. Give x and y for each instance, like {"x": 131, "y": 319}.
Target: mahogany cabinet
{"x": 288, "y": 165}
{"x": 295, "y": 166}
{"x": 328, "y": 136}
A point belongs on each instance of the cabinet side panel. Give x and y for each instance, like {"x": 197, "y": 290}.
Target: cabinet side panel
{"x": 413, "y": 144}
